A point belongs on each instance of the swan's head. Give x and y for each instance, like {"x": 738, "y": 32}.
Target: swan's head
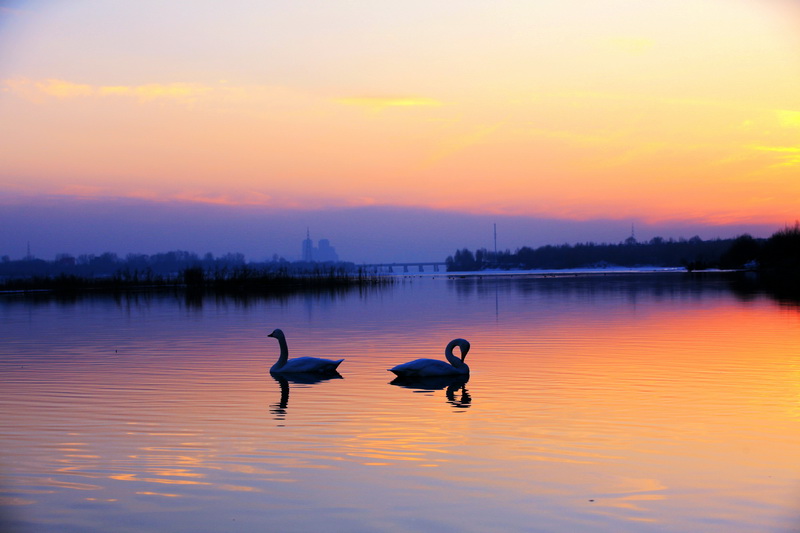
{"x": 278, "y": 334}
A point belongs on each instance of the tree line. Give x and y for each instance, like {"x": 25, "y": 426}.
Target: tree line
{"x": 780, "y": 252}
{"x": 176, "y": 268}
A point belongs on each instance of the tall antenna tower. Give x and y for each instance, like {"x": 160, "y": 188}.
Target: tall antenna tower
{"x": 495, "y": 242}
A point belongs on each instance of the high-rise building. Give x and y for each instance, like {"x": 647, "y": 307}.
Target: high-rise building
{"x": 322, "y": 254}
{"x": 308, "y": 247}
{"x": 325, "y": 252}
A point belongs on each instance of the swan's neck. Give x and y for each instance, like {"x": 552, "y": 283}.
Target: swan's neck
{"x": 448, "y": 352}
{"x": 284, "y": 352}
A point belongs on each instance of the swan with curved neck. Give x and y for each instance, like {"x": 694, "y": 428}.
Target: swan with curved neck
{"x": 298, "y": 365}
{"x": 419, "y": 368}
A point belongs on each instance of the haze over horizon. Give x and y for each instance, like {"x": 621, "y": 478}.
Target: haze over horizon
{"x": 399, "y": 132}
{"x": 359, "y": 234}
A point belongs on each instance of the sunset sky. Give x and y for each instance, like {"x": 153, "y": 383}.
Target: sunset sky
{"x": 665, "y": 113}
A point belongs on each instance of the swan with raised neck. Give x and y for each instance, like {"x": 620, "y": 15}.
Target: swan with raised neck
{"x": 455, "y": 366}
{"x": 298, "y": 365}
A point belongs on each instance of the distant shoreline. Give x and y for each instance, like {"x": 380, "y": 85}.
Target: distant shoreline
{"x": 301, "y": 283}
{"x": 195, "y": 280}
{"x": 560, "y": 273}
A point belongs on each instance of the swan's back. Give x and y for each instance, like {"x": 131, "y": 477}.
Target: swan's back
{"x": 426, "y": 368}
{"x": 310, "y": 365}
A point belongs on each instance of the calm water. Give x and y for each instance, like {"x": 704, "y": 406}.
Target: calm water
{"x": 652, "y": 403}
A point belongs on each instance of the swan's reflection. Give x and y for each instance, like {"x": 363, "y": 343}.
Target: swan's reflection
{"x": 279, "y": 409}
{"x": 452, "y": 384}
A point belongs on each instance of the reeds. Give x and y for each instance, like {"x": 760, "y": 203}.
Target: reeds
{"x": 237, "y": 279}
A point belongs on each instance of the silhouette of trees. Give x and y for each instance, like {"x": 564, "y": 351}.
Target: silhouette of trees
{"x": 778, "y": 255}
{"x": 463, "y": 260}
{"x": 744, "y": 250}
{"x": 176, "y": 268}
{"x": 692, "y": 254}
{"x": 781, "y": 252}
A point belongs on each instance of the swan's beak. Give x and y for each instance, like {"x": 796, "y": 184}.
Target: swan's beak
{"x": 270, "y": 335}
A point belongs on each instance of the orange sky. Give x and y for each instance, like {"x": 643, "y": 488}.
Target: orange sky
{"x": 657, "y": 111}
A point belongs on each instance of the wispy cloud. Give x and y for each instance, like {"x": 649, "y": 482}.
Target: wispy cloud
{"x": 36, "y": 90}
{"x": 632, "y": 45}
{"x": 788, "y": 156}
{"x": 62, "y": 89}
{"x": 459, "y": 143}
{"x": 252, "y": 198}
{"x": 176, "y": 91}
{"x": 381, "y": 102}
{"x": 788, "y": 118}
{"x": 81, "y": 191}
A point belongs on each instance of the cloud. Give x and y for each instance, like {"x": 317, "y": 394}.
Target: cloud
{"x": 788, "y": 156}
{"x": 62, "y": 89}
{"x": 81, "y": 191}
{"x": 788, "y": 118}
{"x": 252, "y": 198}
{"x": 153, "y": 91}
{"x": 459, "y": 143}
{"x": 631, "y": 45}
{"x": 221, "y": 94}
{"x": 380, "y": 102}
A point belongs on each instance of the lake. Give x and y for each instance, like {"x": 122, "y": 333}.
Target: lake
{"x": 595, "y": 403}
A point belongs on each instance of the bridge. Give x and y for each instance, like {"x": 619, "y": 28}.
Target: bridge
{"x": 389, "y": 267}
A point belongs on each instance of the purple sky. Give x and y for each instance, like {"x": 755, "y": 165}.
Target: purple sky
{"x": 361, "y": 235}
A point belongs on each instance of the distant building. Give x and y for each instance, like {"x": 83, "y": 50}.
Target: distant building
{"x": 325, "y": 252}
{"x": 322, "y": 254}
{"x": 308, "y": 248}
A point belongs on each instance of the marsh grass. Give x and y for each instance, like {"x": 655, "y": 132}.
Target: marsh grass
{"x": 236, "y": 280}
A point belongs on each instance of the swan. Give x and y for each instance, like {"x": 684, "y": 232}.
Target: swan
{"x": 430, "y": 383}
{"x": 298, "y": 365}
{"x": 420, "y": 368}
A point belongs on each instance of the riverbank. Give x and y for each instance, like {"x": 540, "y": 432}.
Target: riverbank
{"x": 195, "y": 279}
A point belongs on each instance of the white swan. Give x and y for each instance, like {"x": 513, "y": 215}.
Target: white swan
{"x": 419, "y": 368}
{"x": 298, "y": 365}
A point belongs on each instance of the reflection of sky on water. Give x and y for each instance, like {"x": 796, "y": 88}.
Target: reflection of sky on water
{"x": 603, "y": 407}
